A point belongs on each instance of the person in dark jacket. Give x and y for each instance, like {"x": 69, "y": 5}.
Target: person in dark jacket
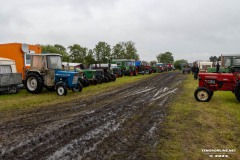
{"x": 196, "y": 73}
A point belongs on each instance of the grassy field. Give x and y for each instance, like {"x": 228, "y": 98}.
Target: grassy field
{"x": 24, "y": 100}
{"x": 192, "y": 126}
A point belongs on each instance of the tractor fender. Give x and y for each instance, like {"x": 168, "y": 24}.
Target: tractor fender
{"x": 29, "y": 71}
{"x": 58, "y": 83}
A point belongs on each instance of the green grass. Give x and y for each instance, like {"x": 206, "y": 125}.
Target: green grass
{"x": 24, "y": 100}
{"x": 192, "y": 126}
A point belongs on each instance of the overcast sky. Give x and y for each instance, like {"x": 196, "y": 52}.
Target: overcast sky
{"x": 190, "y": 29}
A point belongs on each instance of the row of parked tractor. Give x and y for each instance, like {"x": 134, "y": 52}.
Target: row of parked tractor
{"x": 25, "y": 64}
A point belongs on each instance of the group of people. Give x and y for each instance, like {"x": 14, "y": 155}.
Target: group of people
{"x": 195, "y": 71}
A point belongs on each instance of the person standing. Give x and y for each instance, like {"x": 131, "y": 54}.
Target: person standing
{"x": 196, "y": 73}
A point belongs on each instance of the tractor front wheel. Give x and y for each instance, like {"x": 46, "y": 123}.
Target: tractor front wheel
{"x": 99, "y": 81}
{"x": 146, "y": 71}
{"x": 202, "y": 94}
{"x": 61, "y": 90}
{"x": 94, "y": 81}
{"x": 78, "y": 88}
{"x": 34, "y": 83}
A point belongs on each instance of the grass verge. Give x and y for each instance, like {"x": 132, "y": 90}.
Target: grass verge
{"x": 192, "y": 126}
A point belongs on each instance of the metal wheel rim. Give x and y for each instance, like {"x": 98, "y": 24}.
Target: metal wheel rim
{"x": 32, "y": 83}
{"x": 60, "y": 90}
{"x": 202, "y": 95}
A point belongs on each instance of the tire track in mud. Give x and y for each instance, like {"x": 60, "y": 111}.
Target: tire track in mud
{"x": 124, "y": 125}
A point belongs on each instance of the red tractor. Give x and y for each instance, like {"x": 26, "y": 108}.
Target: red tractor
{"x": 210, "y": 82}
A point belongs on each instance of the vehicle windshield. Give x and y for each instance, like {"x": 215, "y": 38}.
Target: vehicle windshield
{"x": 232, "y": 62}
{"x": 129, "y": 64}
{"x": 98, "y": 73}
{"x": 54, "y": 62}
{"x": 236, "y": 62}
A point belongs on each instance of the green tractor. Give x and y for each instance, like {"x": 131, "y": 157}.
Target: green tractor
{"x": 117, "y": 72}
{"x": 101, "y": 77}
{"x": 104, "y": 70}
{"x": 91, "y": 76}
{"x": 229, "y": 64}
{"x": 155, "y": 69}
{"x": 127, "y": 66}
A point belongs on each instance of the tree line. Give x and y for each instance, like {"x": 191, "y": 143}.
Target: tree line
{"x": 102, "y": 53}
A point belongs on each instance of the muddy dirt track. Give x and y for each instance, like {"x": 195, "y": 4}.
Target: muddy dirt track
{"x": 122, "y": 124}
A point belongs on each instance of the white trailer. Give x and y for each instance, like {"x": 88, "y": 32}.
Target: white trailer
{"x": 203, "y": 65}
{"x": 9, "y": 78}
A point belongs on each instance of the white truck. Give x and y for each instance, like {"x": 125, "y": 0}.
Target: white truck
{"x": 9, "y": 78}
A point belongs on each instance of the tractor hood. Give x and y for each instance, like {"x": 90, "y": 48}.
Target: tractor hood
{"x": 65, "y": 73}
{"x": 217, "y": 76}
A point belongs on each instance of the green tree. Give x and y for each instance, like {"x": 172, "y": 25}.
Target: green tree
{"x": 119, "y": 51}
{"x": 165, "y": 57}
{"x": 77, "y": 53}
{"x": 177, "y": 63}
{"x": 60, "y": 47}
{"x": 213, "y": 59}
{"x": 131, "y": 51}
{"x": 89, "y": 59}
{"x": 102, "y": 52}
{"x": 57, "y": 48}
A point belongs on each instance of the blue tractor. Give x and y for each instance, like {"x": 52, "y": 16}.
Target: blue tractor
{"x": 46, "y": 71}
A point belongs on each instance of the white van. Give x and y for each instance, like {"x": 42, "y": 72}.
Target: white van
{"x": 9, "y": 78}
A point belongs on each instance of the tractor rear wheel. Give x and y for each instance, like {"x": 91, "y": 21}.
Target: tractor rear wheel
{"x": 87, "y": 82}
{"x": 237, "y": 93}
{"x": 61, "y": 90}
{"x": 106, "y": 79}
{"x": 202, "y": 94}
{"x": 34, "y": 82}
{"x": 78, "y": 88}
{"x": 83, "y": 82}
